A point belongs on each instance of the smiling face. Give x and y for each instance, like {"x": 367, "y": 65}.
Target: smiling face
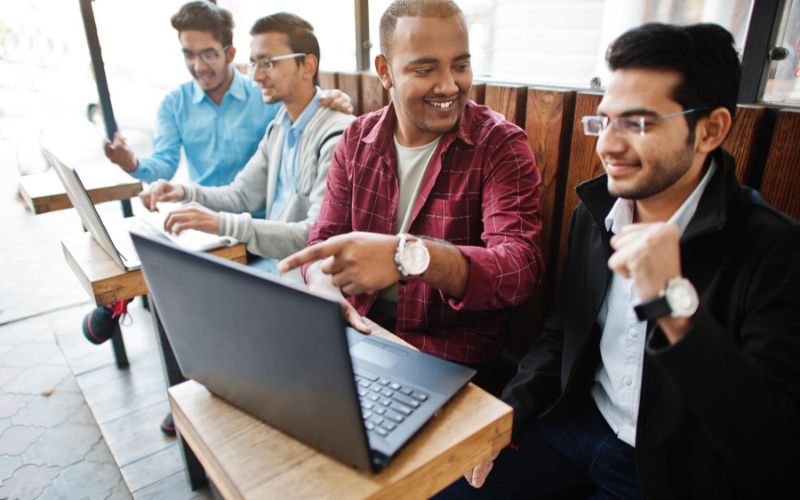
{"x": 280, "y": 83}
{"x": 663, "y": 162}
{"x": 214, "y": 75}
{"x": 428, "y": 74}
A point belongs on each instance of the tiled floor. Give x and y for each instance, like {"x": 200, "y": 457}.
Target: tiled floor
{"x": 71, "y": 424}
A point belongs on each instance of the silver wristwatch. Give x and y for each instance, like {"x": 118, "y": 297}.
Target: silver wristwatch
{"x": 411, "y": 257}
{"x": 678, "y": 299}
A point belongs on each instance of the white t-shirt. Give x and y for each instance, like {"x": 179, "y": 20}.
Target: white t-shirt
{"x": 411, "y": 166}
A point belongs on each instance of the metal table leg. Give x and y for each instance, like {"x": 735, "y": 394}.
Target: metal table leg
{"x": 195, "y": 473}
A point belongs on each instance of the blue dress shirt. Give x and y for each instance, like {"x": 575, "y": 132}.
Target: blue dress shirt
{"x": 218, "y": 140}
{"x": 287, "y": 170}
{"x": 287, "y": 173}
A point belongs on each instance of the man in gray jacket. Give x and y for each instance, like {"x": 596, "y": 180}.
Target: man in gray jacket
{"x": 287, "y": 174}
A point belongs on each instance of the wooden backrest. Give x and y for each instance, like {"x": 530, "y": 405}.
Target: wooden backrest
{"x": 548, "y": 120}
{"x": 566, "y": 157}
{"x": 373, "y": 95}
{"x": 509, "y": 101}
{"x": 478, "y": 93}
{"x": 747, "y": 142}
{"x": 583, "y": 165}
{"x": 350, "y": 83}
{"x": 780, "y": 183}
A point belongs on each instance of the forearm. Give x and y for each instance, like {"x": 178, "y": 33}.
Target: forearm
{"x": 267, "y": 238}
{"x": 153, "y": 168}
{"x": 448, "y": 270}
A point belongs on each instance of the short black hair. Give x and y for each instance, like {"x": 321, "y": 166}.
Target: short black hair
{"x": 299, "y": 32}
{"x": 205, "y": 16}
{"x": 703, "y": 54}
{"x": 412, "y": 8}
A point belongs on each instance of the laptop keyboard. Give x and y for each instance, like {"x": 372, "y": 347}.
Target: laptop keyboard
{"x": 386, "y": 404}
{"x": 122, "y": 239}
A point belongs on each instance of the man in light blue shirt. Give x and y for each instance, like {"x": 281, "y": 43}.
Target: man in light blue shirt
{"x": 218, "y": 118}
{"x": 287, "y": 174}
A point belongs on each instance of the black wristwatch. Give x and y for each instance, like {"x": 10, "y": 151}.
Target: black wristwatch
{"x": 679, "y": 299}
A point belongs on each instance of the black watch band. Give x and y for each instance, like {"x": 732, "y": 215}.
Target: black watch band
{"x": 656, "y": 308}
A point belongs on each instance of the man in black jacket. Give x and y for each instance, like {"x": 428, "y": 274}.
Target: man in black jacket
{"x": 671, "y": 366}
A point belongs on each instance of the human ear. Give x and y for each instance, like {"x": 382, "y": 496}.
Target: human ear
{"x": 713, "y": 129}
{"x": 382, "y": 68}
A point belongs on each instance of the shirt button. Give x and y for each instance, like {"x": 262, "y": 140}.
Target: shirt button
{"x": 634, "y": 333}
{"x": 626, "y": 381}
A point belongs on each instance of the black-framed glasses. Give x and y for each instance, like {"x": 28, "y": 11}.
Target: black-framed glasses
{"x": 208, "y": 56}
{"x": 625, "y": 126}
{"x": 268, "y": 64}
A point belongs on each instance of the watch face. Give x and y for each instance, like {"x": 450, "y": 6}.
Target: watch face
{"x": 682, "y": 298}
{"x": 415, "y": 258}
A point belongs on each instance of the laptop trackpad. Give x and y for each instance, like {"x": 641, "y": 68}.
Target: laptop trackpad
{"x": 379, "y": 354}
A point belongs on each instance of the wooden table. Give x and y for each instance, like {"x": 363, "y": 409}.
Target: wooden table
{"x": 106, "y": 282}
{"x": 104, "y": 182}
{"x": 246, "y": 458}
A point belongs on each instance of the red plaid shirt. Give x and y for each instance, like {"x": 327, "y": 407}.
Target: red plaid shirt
{"x": 480, "y": 192}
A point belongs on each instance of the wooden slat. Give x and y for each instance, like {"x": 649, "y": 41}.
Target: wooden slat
{"x": 350, "y": 83}
{"x": 328, "y": 80}
{"x": 104, "y": 182}
{"x": 743, "y": 142}
{"x": 509, "y": 101}
{"x": 780, "y": 184}
{"x": 583, "y": 165}
{"x": 548, "y": 123}
{"x": 374, "y": 95}
{"x": 478, "y": 93}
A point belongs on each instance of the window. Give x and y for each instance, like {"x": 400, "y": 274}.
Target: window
{"x": 334, "y": 24}
{"x": 783, "y": 85}
{"x": 563, "y": 42}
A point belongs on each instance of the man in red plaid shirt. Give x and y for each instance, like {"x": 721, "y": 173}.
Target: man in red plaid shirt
{"x": 430, "y": 222}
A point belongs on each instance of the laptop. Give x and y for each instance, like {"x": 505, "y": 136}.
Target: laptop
{"x": 287, "y": 357}
{"x": 115, "y": 240}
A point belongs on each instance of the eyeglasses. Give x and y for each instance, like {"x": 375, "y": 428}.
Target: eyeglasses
{"x": 625, "y": 126}
{"x": 208, "y": 56}
{"x": 268, "y": 64}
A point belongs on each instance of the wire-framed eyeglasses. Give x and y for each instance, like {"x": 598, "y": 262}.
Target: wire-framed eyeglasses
{"x": 626, "y": 126}
{"x": 208, "y": 56}
{"x": 268, "y": 64}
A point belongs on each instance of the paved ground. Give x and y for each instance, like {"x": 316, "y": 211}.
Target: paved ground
{"x": 50, "y": 443}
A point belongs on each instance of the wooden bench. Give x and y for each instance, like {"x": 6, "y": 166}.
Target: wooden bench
{"x": 764, "y": 142}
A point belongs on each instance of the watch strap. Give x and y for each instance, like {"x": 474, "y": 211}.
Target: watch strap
{"x": 654, "y": 309}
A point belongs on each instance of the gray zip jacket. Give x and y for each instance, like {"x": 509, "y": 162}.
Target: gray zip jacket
{"x": 254, "y": 187}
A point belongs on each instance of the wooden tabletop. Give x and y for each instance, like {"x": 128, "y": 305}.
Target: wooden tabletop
{"x": 103, "y": 279}
{"x": 104, "y": 182}
{"x": 246, "y": 458}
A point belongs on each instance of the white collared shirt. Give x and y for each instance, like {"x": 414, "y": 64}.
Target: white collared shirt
{"x": 619, "y": 377}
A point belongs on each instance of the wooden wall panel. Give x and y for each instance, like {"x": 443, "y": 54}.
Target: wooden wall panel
{"x": 509, "y": 101}
{"x": 548, "y": 122}
{"x": 743, "y": 143}
{"x": 780, "y": 184}
{"x": 478, "y": 92}
{"x": 350, "y": 83}
{"x": 374, "y": 96}
{"x": 583, "y": 165}
{"x": 328, "y": 80}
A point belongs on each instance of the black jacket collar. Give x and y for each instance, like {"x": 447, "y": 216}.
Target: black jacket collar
{"x": 711, "y": 212}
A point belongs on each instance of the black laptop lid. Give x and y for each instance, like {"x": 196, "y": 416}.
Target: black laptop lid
{"x": 292, "y": 370}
